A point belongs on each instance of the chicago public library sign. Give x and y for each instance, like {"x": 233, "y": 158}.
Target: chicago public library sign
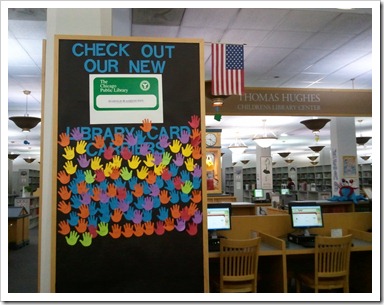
{"x": 296, "y": 102}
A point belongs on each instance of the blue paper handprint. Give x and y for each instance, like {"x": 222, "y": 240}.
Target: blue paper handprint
{"x": 163, "y": 213}
{"x": 73, "y": 219}
{"x": 175, "y": 198}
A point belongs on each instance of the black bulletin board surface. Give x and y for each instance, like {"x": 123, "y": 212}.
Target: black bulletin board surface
{"x": 129, "y": 195}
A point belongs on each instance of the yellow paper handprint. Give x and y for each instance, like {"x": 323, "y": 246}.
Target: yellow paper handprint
{"x": 142, "y": 173}
{"x": 175, "y": 147}
{"x": 69, "y": 153}
{"x": 70, "y": 168}
{"x": 80, "y": 147}
{"x": 95, "y": 163}
{"x": 134, "y": 162}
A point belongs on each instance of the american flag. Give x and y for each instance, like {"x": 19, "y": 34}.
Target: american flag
{"x": 227, "y": 69}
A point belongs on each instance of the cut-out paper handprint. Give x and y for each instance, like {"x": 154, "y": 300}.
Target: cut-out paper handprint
{"x": 150, "y": 160}
{"x": 160, "y": 229}
{"x": 95, "y": 163}
{"x": 179, "y": 160}
{"x": 103, "y": 229}
{"x": 134, "y": 162}
{"x": 83, "y": 161}
{"x": 93, "y": 230}
{"x": 196, "y": 153}
{"x": 163, "y": 213}
{"x": 149, "y": 228}
{"x": 64, "y": 227}
{"x": 118, "y": 139}
{"x": 192, "y": 229}
{"x": 147, "y": 216}
{"x": 72, "y": 238}
{"x": 63, "y": 177}
{"x": 131, "y": 139}
{"x": 112, "y": 191}
{"x": 125, "y": 153}
{"x": 73, "y": 219}
{"x": 144, "y": 149}
{"x": 87, "y": 239}
{"x": 151, "y": 177}
{"x": 142, "y": 173}
{"x": 184, "y": 137}
{"x": 164, "y": 197}
{"x": 84, "y": 211}
{"x": 175, "y": 211}
{"x": 128, "y": 230}
{"x": 81, "y": 147}
{"x": 70, "y": 168}
{"x": 138, "y": 191}
{"x": 115, "y": 174}
{"x": 180, "y": 225}
{"x": 175, "y": 147}
{"x": 184, "y": 214}
{"x": 187, "y": 150}
{"x": 125, "y": 173}
{"x": 82, "y": 226}
{"x": 138, "y": 230}
{"x": 64, "y": 207}
{"x": 108, "y": 153}
{"x": 116, "y": 231}
{"x": 147, "y": 125}
{"x": 163, "y": 141}
{"x": 192, "y": 209}
{"x": 194, "y": 122}
{"x": 166, "y": 174}
{"x": 196, "y": 196}
{"x": 76, "y": 134}
{"x": 64, "y": 193}
{"x": 99, "y": 141}
{"x": 169, "y": 224}
{"x": 64, "y": 139}
{"x": 158, "y": 169}
{"x": 167, "y": 157}
{"x": 198, "y": 217}
{"x": 117, "y": 215}
{"x": 187, "y": 187}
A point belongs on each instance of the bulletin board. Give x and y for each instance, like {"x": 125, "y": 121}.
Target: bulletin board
{"x": 129, "y": 174}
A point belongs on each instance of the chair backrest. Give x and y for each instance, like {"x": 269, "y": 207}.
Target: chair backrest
{"x": 238, "y": 265}
{"x": 332, "y": 255}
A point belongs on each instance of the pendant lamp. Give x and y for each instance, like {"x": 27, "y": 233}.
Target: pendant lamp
{"x": 283, "y": 154}
{"x": 315, "y": 124}
{"x": 26, "y": 122}
{"x": 12, "y": 156}
{"x": 265, "y": 141}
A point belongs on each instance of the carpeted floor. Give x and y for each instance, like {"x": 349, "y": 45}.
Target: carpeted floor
{"x": 22, "y": 266}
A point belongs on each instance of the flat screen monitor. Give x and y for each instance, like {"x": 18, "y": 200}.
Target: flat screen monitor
{"x": 285, "y": 192}
{"x": 258, "y": 194}
{"x": 306, "y": 216}
{"x": 218, "y": 217}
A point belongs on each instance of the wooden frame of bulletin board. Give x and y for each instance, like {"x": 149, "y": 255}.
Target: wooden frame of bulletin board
{"x": 129, "y": 177}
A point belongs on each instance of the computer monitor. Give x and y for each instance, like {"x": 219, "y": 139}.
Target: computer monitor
{"x": 306, "y": 216}
{"x": 218, "y": 217}
{"x": 259, "y": 194}
{"x": 285, "y": 192}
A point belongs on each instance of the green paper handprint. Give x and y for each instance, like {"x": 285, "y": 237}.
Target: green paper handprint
{"x": 167, "y": 157}
{"x": 87, "y": 239}
{"x": 89, "y": 178}
{"x": 103, "y": 229}
{"x": 125, "y": 173}
{"x": 187, "y": 187}
{"x": 72, "y": 239}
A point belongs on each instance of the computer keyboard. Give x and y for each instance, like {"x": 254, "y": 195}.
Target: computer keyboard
{"x": 308, "y": 244}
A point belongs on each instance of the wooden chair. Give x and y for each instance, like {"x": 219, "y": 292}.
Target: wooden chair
{"x": 331, "y": 271}
{"x": 238, "y": 265}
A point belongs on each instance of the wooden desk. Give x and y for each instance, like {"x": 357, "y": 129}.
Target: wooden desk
{"x": 278, "y": 258}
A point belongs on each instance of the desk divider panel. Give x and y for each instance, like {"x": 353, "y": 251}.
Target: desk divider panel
{"x": 129, "y": 178}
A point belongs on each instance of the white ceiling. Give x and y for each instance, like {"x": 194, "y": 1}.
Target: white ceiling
{"x": 292, "y": 48}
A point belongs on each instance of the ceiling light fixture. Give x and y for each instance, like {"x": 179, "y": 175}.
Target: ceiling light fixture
{"x": 312, "y": 158}
{"x": 12, "y": 156}
{"x": 244, "y": 161}
{"x": 29, "y": 160}
{"x": 289, "y": 161}
{"x": 365, "y": 158}
{"x": 26, "y": 122}
{"x": 238, "y": 147}
{"x": 315, "y": 124}
{"x": 316, "y": 148}
{"x": 284, "y": 154}
{"x": 265, "y": 141}
{"x": 314, "y": 163}
{"x": 362, "y": 140}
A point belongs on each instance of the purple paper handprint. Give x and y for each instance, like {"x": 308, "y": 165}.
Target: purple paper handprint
{"x": 158, "y": 157}
{"x": 148, "y": 203}
{"x": 83, "y": 161}
{"x": 179, "y": 160}
{"x": 131, "y": 140}
{"x": 163, "y": 140}
{"x": 123, "y": 206}
{"x": 137, "y": 216}
{"x": 76, "y": 134}
{"x": 180, "y": 225}
{"x": 155, "y": 190}
{"x": 184, "y": 137}
{"x": 197, "y": 171}
{"x": 144, "y": 149}
{"x": 198, "y": 217}
{"x": 86, "y": 198}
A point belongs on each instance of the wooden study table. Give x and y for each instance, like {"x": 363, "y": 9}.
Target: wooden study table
{"x": 277, "y": 256}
